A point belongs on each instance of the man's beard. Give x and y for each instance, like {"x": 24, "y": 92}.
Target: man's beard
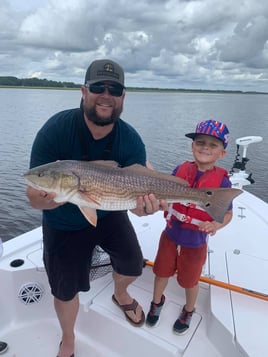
{"x": 92, "y": 115}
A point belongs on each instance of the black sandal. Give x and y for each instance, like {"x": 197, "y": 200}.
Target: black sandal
{"x": 71, "y": 355}
{"x": 130, "y": 307}
{"x": 3, "y": 347}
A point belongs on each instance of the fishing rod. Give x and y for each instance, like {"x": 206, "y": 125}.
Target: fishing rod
{"x": 227, "y": 286}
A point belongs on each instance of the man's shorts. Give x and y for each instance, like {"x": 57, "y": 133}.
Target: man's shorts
{"x": 186, "y": 262}
{"x": 67, "y": 254}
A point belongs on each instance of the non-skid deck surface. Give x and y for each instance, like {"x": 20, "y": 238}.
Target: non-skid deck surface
{"x": 161, "y": 335}
{"x": 101, "y": 329}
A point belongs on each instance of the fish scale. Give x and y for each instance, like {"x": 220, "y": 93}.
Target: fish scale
{"x": 103, "y": 185}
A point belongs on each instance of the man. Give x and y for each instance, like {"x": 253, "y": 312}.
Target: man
{"x": 93, "y": 132}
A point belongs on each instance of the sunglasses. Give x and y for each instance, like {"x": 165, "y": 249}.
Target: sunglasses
{"x": 114, "y": 90}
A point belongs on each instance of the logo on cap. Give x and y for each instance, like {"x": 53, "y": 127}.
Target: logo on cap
{"x": 109, "y": 67}
{"x": 108, "y": 70}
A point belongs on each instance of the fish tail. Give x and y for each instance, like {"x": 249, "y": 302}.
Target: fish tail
{"x": 219, "y": 201}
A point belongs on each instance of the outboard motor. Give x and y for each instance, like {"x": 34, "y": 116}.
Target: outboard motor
{"x": 241, "y": 178}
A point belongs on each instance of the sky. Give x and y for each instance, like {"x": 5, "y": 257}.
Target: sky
{"x": 191, "y": 44}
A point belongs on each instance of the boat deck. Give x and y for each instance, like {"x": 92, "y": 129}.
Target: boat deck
{"x": 28, "y": 319}
{"x": 101, "y": 328}
{"x": 225, "y": 323}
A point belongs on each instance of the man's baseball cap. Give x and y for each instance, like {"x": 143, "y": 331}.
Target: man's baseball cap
{"x": 104, "y": 70}
{"x": 212, "y": 128}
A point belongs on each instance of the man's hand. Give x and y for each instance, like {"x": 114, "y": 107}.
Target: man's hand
{"x": 148, "y": 204}
{"x": 42, "y": 200}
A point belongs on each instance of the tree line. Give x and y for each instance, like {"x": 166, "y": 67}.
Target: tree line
{"x": 35, "y": 82}
{"x": 10, "y": 81}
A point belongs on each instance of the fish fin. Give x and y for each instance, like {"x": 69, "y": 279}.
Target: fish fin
{"x": 90, "y": 214}
{"x": 219, "y": 201}
{"x": 139, "y": 169}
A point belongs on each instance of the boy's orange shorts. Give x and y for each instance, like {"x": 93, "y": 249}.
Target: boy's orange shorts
{"x": 188, "y": 263}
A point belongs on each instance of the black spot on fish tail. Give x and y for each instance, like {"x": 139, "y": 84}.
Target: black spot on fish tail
{"x": 219, "y": 201}
{"x": 209, "y": 193}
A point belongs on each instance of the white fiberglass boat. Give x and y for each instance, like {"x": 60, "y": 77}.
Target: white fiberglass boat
{"x": 231, "y": 311}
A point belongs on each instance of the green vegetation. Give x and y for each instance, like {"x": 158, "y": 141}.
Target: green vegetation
{"x": 35, "y": 82}
{"x": 10, "y": 81}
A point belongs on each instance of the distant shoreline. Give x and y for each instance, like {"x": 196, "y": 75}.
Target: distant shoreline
{"x": 137, "y": 89}
{"x": 37, "y": 83}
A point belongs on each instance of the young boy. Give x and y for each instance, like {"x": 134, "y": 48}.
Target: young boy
{"x": 183, "y": 244}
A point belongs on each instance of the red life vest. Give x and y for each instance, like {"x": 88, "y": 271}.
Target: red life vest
{"x": 190, "y": 214}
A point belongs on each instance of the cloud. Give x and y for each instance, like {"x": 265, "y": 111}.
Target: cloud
{"x": 164, "y": 43}
{"x": 247, "y": 43}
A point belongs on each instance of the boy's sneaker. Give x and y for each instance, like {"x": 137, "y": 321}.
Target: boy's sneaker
{"x": 155, "y": 309}
{"x": 182, "y": 324}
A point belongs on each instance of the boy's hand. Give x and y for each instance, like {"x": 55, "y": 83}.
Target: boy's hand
{"x": 209, "y": 227}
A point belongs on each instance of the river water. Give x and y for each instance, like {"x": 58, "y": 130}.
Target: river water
{"x": 162, "y": 119}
